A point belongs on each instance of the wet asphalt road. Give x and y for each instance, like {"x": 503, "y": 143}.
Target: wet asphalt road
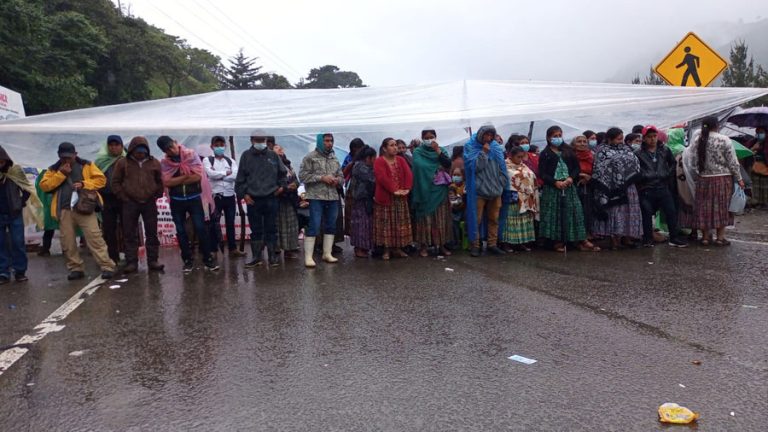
{"x": 400, "y": 345}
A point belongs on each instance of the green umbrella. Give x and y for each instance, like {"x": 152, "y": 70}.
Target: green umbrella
{"x": 741, "y": 151}
{"x": 676, "y": 143}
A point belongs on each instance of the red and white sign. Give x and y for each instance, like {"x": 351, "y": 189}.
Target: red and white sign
{"x": 11, "y": 105}
{"x": 166, "y": 230}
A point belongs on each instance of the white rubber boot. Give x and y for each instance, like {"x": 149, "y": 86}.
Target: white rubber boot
{"x": 309, "y": 249}
{"x": 327, "y": 248}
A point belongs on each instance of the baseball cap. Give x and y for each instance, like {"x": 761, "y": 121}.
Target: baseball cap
{"x": 67, "y": 149}
{"x": 649, "y": 128}
{"x": 115, "y": 138}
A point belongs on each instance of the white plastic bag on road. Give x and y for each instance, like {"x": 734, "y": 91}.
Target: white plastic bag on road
{"x": 738, "y": 200}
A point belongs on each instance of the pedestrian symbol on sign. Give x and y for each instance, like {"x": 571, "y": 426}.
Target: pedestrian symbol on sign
{"x": 692, "y": 64}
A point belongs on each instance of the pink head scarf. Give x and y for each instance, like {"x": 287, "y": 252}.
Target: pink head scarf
{"x": 190, "y": 164}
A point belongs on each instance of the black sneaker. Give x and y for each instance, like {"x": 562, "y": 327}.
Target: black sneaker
{"x": 474, "y": 252}
{"x": 155, "y": 266}
{"x": 44, "y": 253}
{"x": 254, "y": 263}
{"x": 211, "y": 265}
{"x": 107, "y": 274}
{"x": 4, "y": 279}
{"x": 130, "y": 268}
{"x": 649, "y": 244}
{"x": 188, "y": 267}
{"x": 675, "y": 242}
{"x": 75, "y": 275}
{"x": 21, "y": 277}
{"x": 495, "y": 250}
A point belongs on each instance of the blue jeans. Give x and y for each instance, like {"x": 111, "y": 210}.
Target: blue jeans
{"x": 262, "y": 216}
{"x": 325, "y": 211}
{"x": 17, "y": 254}
{"x": 179, "y": 211}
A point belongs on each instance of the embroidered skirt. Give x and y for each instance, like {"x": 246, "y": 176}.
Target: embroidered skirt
{"x": 624, "y": 220}
{"x": 361, "y": 226}
{"x": 519, "y": 228}
{"x": 554, "y": 221}
{"x": 287, "y": 227}
{"x": 713, "y": 197}
{"x": 759, "y": 189}
{"x": 392, "y": 224}
{"x": 435, "y": 229}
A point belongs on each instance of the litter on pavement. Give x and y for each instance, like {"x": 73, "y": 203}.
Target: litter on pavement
{"x": 674, "y": 413}
{"x": 522, "y": 359}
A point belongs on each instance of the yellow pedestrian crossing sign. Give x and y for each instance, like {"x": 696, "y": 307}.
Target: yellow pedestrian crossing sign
{"x": 692, "y": 63}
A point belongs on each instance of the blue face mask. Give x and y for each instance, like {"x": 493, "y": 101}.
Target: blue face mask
{"x": 557, "y": 141}
{"x": 458, "y": 179}
{"x": 260, "y": 146}
{"x": 526, "y": 147}
{"x": 219, "y": 151}
{"x": 761, "y": 136}
{"x": 592, "y": 143}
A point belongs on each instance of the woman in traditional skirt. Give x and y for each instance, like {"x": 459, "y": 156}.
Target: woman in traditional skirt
{"x": 615, "y": 170}
{"x": 759, "y": 171}
{"x": 583, "y": 148}
{"x": 391, "y": 216}
{"x": 362, "y": 187}
{"x": 562, "y": 218}
{"x": 713, "y": 161}
{"x": 355, "y": 146}
{"x": 519, "y": 229}
{"x": 429, "y": 198}
{"x": 287, "y": 219}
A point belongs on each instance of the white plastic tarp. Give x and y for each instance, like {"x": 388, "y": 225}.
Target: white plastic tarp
{"x": 372, "y": 113}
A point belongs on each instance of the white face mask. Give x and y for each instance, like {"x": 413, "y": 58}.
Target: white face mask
{"x": 260, "y": 146}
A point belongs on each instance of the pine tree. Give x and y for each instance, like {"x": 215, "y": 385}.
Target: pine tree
{"x": 741, "y": 72}
{"x": 241, "y": 74}
{"x": 651, "y": 79}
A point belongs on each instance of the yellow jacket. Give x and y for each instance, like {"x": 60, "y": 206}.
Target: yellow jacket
{"x": 93, "y": 179}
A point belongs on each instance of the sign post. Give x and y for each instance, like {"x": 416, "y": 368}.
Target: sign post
{"x": 692, "y": 63}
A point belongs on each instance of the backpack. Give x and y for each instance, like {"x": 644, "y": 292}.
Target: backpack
{"x": 229, "y": 161}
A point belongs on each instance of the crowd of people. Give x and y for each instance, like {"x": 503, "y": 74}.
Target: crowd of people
{"x": 392, "y": 201}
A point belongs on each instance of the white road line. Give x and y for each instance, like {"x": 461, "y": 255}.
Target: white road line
{"x": 48, "y": 325}
{"x": 759, "y": 243}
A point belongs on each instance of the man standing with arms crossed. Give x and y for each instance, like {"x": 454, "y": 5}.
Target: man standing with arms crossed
{"x": 261, "y": 178}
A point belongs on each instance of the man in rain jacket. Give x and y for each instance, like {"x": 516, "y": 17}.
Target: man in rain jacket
{"x": 64, "y": 178}
{"x": 486, "y": 183}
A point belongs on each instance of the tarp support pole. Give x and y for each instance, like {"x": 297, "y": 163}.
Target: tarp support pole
{"x": 237, "y": 199}
{"x": 530, "y": 132}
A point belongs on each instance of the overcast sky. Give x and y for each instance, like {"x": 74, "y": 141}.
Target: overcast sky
{"x": 415, "y": 41}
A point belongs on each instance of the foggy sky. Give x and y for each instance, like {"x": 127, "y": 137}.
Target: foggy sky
{"x": 416, "y": 41}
